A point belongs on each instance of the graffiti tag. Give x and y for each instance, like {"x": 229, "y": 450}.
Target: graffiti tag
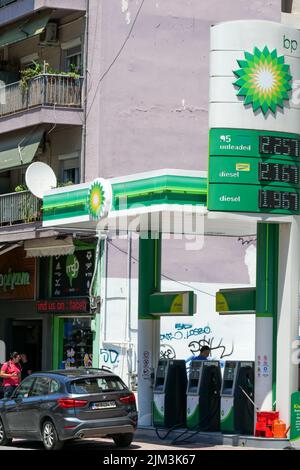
{"x": 167, "y": 352}
{"x": 195, "y": 346}
{"x": 109, "y": 356}
{"x": 181, "y": 334}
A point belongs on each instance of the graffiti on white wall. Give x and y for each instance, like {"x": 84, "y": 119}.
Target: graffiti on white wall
{"x": 109, "y": 357}
{"x": 185, "y": 341}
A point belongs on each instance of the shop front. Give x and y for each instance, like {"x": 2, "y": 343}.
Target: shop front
{"x": 22, "y": 328}
{"x": 69, "y": 307}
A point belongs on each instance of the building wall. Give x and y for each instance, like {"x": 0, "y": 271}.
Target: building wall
{"x": 147, "y": 106}
{"x": 151, "y": 109}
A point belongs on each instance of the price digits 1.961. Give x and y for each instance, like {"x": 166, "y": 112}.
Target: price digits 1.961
{"x": 285, "y": 146}
{"x": 279, "y": 200}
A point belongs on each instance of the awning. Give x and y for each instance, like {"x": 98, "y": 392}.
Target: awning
{"x": 25, "y": 29}
{"x": 49, "y": 247}
{"x": 20, "y": 148}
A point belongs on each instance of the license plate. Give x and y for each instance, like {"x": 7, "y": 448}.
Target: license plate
{"x": 103, "y": 405}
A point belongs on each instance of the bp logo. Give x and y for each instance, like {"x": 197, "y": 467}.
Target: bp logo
{"x": 263, "y": 80}
{"x": 99, "y": 199}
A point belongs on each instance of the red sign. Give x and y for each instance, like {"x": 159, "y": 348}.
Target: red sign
{"x": 64, "y": 306}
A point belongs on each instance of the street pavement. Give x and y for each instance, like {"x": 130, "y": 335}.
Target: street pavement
{"x": 144, "y": 440}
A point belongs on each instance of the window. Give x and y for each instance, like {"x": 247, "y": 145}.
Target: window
{"x": 73, "y": 60}
{"x": 41, "y": 387}
{"x": 97, "y": 385}
{"x": 69, "y": 168}
{"x": 24, "y": 389}
{"x": 54, "y": 387}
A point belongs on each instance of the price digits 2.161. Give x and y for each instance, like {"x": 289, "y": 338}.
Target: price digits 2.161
{"x": 279, "y": 172}
{"x": 284, "y": 146}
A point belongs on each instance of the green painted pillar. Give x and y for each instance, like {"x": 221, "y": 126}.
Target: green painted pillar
{"x": 266, "y": 315}
{"x": 148, "y": 326}
{"x": 149, "y": 273}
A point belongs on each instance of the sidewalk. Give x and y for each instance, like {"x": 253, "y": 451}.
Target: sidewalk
{"x": 183, "y": 439}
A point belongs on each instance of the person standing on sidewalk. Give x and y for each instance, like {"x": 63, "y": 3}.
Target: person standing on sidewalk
{"x": 11, "y": 374}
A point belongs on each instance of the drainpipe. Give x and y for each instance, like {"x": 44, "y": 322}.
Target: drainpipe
{"x": 85, "y": 93}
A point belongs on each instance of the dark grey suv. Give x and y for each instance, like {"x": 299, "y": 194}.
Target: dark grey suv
{"x": 57, "y": 406}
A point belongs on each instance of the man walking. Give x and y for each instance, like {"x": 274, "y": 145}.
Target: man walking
{"x": 11, "y": 374}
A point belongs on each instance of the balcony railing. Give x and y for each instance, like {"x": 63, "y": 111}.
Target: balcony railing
{"x": 43, "y": 90}
{"x": 19, "y": 208}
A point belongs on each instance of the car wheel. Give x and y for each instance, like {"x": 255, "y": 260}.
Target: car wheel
{"x": 50, "y": 437}
{"x": 4, "y": 440}
{"x": 123, "y": 440}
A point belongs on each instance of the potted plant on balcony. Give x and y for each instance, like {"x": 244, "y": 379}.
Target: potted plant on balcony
{"x": 53, "y": 87}
{"x": 28, "y": 211}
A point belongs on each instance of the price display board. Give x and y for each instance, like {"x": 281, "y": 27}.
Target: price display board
{"x": 254, "y": 171}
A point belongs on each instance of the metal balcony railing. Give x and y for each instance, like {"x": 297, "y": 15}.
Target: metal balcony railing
{"x": 19, "y": 208}
{"x": 43, "y": 90}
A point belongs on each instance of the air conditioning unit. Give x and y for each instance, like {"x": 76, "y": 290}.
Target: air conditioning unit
{"x": 50, "y": 35}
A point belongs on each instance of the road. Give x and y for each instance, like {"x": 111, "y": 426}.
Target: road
{"x": 143, "y": 441}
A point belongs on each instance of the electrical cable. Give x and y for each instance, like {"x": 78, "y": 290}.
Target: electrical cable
{"x": 117, "y": 55}
{"x": 163, "y": 275}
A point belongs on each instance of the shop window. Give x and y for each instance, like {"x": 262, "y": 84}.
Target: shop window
{"x": 77, "y": 343}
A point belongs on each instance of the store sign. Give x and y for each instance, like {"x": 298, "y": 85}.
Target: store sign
{"x": 72, "y": 275}
{"x": 64, "y": 306}
{"x": 295, "y": 418}
{"x": 173, "y": 303}
{"x": 17, "y": 276}
{"x": 254, "y": 144}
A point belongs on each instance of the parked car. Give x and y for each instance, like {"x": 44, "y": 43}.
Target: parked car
{"x": 54, "y": 407}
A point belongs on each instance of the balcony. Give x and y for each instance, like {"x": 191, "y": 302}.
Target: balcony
{"x": 13, "y": 10}
{"x": 19, "y": 208}
{"x": 43, "y": 90}
{"x": 47, "y": 99}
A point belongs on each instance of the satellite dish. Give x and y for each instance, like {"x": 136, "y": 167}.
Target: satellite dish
{"x": 40, "y": 178}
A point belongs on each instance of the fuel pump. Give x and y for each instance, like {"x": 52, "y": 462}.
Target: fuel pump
{"x": 169, "y": 397}
{"x": 237, "y": 397}
{"x": 203, "y": 396}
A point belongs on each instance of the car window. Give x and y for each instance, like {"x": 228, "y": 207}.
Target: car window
{"x": 54, "y": 386}
{"x": 41, "y": 387}
{"x": 23, "y": 390}
{"x": 96, "y": 385}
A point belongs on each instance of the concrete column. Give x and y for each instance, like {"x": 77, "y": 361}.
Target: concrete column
{"x": 288, "y": 322}
{"x": 148, "y": 326}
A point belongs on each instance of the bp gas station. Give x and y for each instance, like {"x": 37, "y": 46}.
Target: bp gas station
{"x": 252, "y": 188}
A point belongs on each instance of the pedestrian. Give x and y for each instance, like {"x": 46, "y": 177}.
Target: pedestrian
{"x": 204, "y": 354}
{"x": 11, "y": 374}
{"x": 26, "y": 366}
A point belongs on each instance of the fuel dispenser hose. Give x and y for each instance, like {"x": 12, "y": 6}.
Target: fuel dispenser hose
{"x": 201, "y": 424}
{"x": 169, "y": 431}
{"x": 215, "y": 411}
